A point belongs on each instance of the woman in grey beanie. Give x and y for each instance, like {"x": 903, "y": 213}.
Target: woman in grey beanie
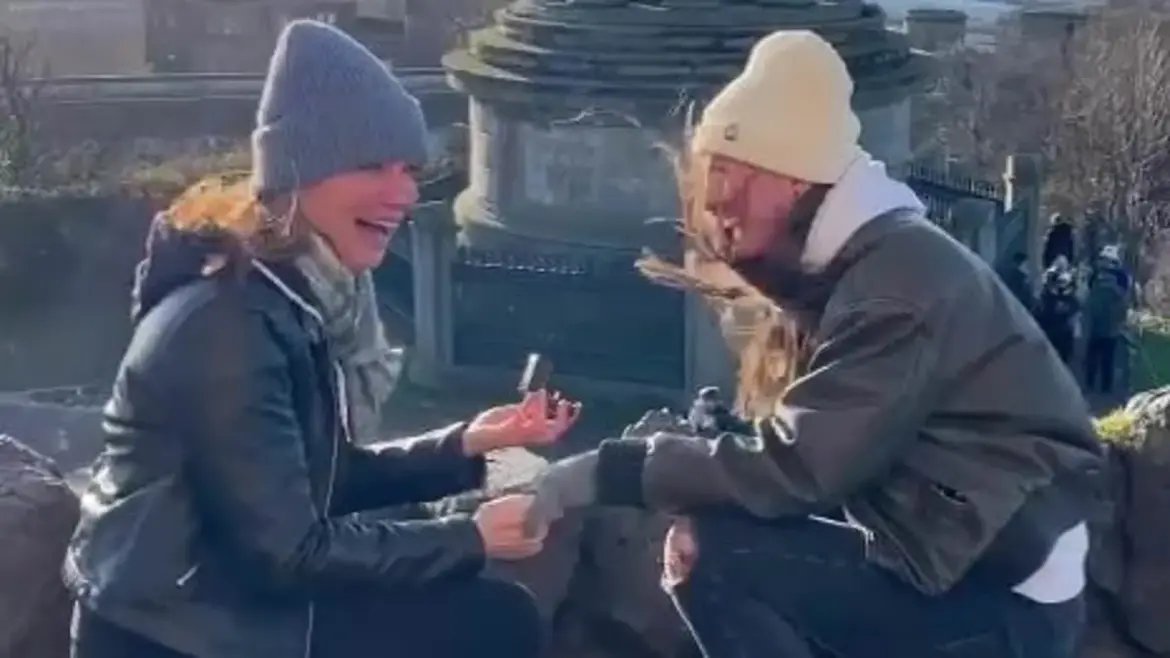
{"x": 219, "y": 521}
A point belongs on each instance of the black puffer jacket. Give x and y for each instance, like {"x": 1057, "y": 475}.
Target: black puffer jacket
{"x": 220, "y": 505}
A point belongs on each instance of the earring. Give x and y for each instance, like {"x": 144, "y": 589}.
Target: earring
{"x": 280, "y": 223}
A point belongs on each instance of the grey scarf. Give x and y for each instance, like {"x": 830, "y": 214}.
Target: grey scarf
{"x": 356, "y": 337}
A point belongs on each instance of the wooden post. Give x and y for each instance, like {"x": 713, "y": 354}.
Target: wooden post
{"x": 1022, "y": 182}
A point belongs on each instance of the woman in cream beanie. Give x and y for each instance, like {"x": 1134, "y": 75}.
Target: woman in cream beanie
{"x": 901, "y": 388}
{"x": 790, "y": 111}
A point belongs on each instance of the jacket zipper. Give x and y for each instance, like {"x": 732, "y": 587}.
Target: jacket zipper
{"x": 341, "y": 426}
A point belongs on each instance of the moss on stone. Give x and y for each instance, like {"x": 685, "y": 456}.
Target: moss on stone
{"x": 1117, "y": 427}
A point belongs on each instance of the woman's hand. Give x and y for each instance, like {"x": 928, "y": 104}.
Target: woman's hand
{"x": 540, "y": 419}
{"x": 503, "y": 528}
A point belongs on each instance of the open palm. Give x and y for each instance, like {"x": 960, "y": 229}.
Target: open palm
{"x": 539, "y": 419}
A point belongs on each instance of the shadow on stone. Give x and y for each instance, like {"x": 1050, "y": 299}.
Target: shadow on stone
{"x": 37, "y": 515}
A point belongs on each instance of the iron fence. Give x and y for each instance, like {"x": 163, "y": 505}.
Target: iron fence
{"x": 595, "y": 318}
{"x": 941, "y": 193}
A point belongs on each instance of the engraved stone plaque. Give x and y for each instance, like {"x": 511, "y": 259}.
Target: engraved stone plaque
{"x": 619, "y": 168}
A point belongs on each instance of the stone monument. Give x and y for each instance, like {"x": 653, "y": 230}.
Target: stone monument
{"x": 574, "y": 106}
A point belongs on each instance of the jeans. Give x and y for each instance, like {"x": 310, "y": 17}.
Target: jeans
{"x": 803, "y": 589}
{"x": 481, "y": 617}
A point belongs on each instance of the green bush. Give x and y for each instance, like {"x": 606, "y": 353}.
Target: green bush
{"x": 1150, "y": 358}
{"x": 166, "y": 180}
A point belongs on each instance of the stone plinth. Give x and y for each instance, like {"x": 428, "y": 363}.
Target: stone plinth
{"x": 575, "y": 107}
{"x": 559, "y": 177}
{"x": 936, "y": 30}
{"x": 572, "y": 103}
{"x": 1052, "y": 25}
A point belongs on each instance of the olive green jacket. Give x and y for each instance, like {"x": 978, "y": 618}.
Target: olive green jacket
{"x": 934, "y": 411}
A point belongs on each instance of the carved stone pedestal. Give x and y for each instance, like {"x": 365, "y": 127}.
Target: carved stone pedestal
{"x": 575, "y": 107}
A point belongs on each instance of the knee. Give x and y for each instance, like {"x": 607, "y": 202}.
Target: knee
{"x": 712, "y": 537}
{"x": 512, "y": 623}
{"x": 717, "y": 536}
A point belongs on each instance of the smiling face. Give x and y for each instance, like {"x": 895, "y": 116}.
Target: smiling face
{"x": 750, "y": 208}
{"x": 358, "y": 211}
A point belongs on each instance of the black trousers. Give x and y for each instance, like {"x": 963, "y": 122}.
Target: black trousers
{"x": 483, "y": 618}
{"x": 1063, "y": 340}
{"x": 803, "y": 589}
{"x": 1100, "y": 362}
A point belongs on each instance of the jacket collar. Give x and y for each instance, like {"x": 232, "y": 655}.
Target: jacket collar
{"x": 865, "y": 239}
{"x": 287, "y": 279}
{"x": 864, "y": 193}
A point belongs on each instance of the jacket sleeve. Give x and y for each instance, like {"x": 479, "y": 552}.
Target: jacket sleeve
{"x": 866, "y": 392}
{"x": 250, "y": 477}
{"x": 415, "y": 470}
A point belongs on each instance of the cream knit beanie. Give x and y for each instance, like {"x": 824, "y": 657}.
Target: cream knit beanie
{"x": 789, "y": 111}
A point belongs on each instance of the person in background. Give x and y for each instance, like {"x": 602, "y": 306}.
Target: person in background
{"x": 219, "y": 521}
{"x": 923, "y": 401}
{"x": 1106, "y": 311}
{"x": 1109, "y": 263}
{"x": 1058, "y": 306}
{"x": 1015, "y": 277}
{"x": 1060, "y": 240}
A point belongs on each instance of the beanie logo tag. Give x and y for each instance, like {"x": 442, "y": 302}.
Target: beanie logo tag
{"x": 731, "y": 132}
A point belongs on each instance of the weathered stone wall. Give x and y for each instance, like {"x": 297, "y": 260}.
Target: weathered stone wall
{"x": 1130, "y": 562}
{"x": 66, "y": 266}
{"x": 597, "y": 581}
{"x": 37, "y": 516}
{"x": 193, "y": 113}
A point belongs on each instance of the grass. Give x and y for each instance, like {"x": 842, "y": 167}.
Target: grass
{"x": 1149, "y": 367}
{"x": 1150, "y": 362}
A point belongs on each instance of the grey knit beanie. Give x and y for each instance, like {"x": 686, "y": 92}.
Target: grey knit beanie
{"x": 330, "y": 106}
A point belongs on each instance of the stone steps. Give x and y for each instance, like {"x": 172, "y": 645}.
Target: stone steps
{"x": 630, "y": 49}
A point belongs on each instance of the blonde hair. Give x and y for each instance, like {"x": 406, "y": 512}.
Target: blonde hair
{"x": 225, "y": 202}
{"x": 776, "y": 348}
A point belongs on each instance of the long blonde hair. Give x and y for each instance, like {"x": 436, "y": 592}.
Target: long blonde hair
{"x": 770, "y": 346}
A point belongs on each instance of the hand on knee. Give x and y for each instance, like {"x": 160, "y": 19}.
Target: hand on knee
{"x": 679, "y": 552}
